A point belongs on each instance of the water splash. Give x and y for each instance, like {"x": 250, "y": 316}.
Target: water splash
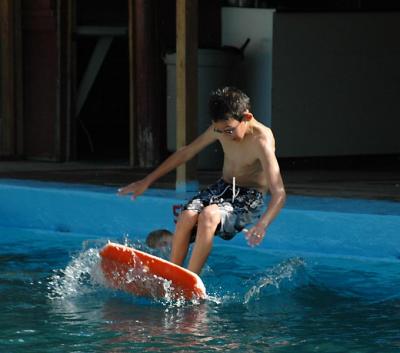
{"x": 81, "y": 276}
{"x": 288, "y": 273}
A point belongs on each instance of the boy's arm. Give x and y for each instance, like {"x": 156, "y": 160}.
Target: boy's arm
{"x": 278, "y": 195}
{"x": 176, "y": 159}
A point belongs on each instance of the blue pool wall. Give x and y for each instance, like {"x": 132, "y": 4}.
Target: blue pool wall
{"x": 326, "y": 226}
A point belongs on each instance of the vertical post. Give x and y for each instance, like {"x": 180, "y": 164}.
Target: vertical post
{"x": 7, "y": 102}
{"x": 41, "y": 79}
{"x": 186, "y": 87}
{"x": 148, "y": 100}
{"x": 18, "y": 79}
{"x": 65, "y": 13}
{"x": 132, "y": 66}
{"x": 66, "y": 27}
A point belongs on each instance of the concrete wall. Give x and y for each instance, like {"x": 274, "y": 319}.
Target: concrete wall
{"x": 332, "y": 227}
{"x": 336, "y": 83}
{"x": 238, "y": 24}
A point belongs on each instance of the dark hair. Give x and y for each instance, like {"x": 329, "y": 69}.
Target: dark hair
{"x": 228, "y": 102}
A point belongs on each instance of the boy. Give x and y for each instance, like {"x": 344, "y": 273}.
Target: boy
{"x": 250, "y": 169}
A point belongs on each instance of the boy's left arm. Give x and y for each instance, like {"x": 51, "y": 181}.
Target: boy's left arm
{"x": 266, "y": 150}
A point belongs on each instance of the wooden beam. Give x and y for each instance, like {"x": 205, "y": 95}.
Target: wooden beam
{"x": 96, "y": 60}
{"x": 186, "y": 87}
{"x": 72, "y": 125}
{"x": 132, "y": 71}
{"x": 148, "y": 82}
{"x": 18, "y": 89}
{"x": 65, "y": 32}
{"x": 7, "y": 83}
{"x": 41, "y": 77}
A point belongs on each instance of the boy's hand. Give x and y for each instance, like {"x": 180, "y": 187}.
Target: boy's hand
{"x": 136, "y": 188}
{"x": 255, "y": 235}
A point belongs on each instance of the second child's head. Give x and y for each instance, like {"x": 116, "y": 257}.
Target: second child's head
{"x": 159, "y": 239}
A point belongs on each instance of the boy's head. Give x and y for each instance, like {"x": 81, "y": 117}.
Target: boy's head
{"x": 227, "y": 103}
{"x": 229, "y": 109}
{"x": 159, "y": 239}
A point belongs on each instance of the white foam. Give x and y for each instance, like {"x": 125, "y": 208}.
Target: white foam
{"x": 82, "y": 275}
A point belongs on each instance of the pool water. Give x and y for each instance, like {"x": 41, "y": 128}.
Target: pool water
{"x": 52, "y": 299}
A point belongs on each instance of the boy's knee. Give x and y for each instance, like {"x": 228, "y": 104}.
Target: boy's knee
{"x": 210, "y": 215}
{"x": 188, "y": 215}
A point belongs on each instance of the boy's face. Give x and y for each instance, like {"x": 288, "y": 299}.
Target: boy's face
{"x": 231, "y": 128}
{"x": 164, "y": 241}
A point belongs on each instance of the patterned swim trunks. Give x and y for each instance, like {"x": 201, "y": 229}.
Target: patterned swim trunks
{"x": 236, "y": 209}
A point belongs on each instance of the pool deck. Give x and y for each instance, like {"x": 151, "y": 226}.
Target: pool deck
{"x": 344, "y": 183}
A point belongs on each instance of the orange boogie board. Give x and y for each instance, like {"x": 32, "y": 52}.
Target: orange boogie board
{"x": 146, "y": 275}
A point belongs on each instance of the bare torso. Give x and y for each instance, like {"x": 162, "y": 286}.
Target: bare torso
{"x": 241, "y": 161}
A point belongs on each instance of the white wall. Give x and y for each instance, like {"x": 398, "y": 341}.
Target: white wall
{"x": 238, "y": 24}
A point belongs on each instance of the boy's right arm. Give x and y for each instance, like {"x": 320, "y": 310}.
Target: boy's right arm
{"x": 176, "y": 159}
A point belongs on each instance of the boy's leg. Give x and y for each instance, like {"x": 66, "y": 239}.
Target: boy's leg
{"x": 208, "y": 221}
{"x": 180, "y": 241}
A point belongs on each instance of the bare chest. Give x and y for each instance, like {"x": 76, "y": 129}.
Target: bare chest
{"x": 239, "y": 155}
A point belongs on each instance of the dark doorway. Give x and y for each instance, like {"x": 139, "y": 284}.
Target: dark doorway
{"x": 101, "y": 80}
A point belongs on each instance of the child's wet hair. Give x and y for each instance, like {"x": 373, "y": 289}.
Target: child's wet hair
{"x": 228, "y": 102}
{"x": 154, "y": 237}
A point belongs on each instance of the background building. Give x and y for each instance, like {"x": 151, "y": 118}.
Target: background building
{"x": 87, "y": 80}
